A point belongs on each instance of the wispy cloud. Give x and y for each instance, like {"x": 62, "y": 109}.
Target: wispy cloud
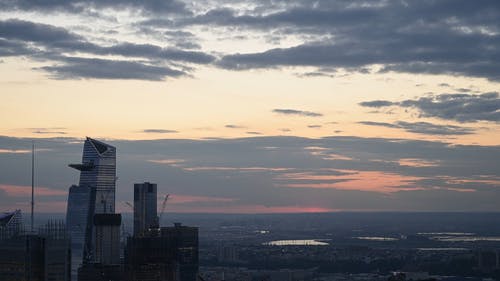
{"x": 233, "y": 126}
{"x": 14, "y": 151}
{"x": 423, "y": 128}
{"x": 297, "y": 112}
{"x": 159, "y": 131}
{"x": 314, "y": 126}
{"x": 52, "y": 131}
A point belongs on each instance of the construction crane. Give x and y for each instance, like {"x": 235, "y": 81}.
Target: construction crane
{"x": 130, "y": 205}
{"x": 163, "y": 205}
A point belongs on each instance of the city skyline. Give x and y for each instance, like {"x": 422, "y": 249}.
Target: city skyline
{"x": 256, "y": 107}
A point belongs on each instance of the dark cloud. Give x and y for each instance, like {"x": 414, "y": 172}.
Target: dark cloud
{"x": 297, "y": 112}
{"x": 452, "y": 37}
{"x": 60, "y": 39}
{"x": 79, "y": 6}
{"x": 253, "y": 133}
{"x": 423, "y": 128}
{"x": 47, "y": 42}
{"x": 77, "y": 68}
{"x": 460, "y": 107}
{"x": 376, "y": 103}
{"x": 159, "y": 131}
{"x": 420, "y": 37}
{"x": 314, "y": 126}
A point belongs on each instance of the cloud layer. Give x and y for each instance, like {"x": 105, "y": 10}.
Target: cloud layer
{"x": 458, "y": 107}
{"x": 345, "y": 173}
{"x": 431, "y": 37}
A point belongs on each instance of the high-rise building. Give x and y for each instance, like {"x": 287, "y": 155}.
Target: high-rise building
{"x": 166, "y": 254}
{"x": 45, "y": 256}
{"x": 79, "y": 214}
{"x": 95, "y": 194}
{"x": 57, "y": 261}
{"x": 98, "y": 169}
{"x": 145, "y": 214}
{"x": 107, "y": 238}
{"x": 22, "y": 258}
{"x": 186, "y": 249}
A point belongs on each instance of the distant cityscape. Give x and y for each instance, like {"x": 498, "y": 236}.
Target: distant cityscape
{"x": 88, "y": 245}
{"x": 93, "y": 242}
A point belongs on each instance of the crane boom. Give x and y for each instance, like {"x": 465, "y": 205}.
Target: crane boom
{"x": 163, "y": 205}
{"x": 130, "y": 205}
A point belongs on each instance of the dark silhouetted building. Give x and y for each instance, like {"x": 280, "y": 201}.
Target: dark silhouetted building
{"x": 107, "y": 238}
{"x": 168, "y": 253}
{"x": 57, "y": 260}
{"x": 145, "y": 206}
{"x": 100, "y": 272}
{"x": 22, "y": 258}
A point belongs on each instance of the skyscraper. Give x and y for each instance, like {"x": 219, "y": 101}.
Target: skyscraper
{"x": 145, "y": 214}
{"x": 81, "y": 202}
{"x": 95, "y": 194}
{"x": 98, "y": 169}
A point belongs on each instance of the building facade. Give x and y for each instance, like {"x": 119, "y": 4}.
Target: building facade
{"x": 165, "y": 254}
{"x": 145, "y": 207}
{"x": 79, "y": 214}
{"x": 98, "y": 170}
{"x": 57, "y": 260}
{"x": 22, "y": 258}
{"x": 95, "y": 194}
{"x": 107, "y": 238}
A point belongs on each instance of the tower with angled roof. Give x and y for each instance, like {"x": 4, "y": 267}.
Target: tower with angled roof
{"x": 98, "y": 170}
{"x": 95, "y": 194}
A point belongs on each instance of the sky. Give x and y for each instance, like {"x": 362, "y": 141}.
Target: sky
{"x": 256, "y": 106}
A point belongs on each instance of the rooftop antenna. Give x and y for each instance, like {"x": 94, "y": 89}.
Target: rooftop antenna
{"x": 32, "y": 185}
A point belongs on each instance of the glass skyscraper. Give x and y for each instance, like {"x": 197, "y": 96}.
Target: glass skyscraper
{"x": 98, "y": 169}
{"x": 81, "y": 202}
{"x": 95, "y": 194}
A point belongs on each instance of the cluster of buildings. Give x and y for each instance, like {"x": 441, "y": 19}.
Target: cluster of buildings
{"x": 89, "y": 246}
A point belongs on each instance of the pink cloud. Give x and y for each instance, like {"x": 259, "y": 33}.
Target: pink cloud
{"x": 23, "y": 190}
{"x": 182, "y": 199}
{"x": 415, "y": 162}
{"x": 251, "y": 209}
{"x": 374, "y": 181}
